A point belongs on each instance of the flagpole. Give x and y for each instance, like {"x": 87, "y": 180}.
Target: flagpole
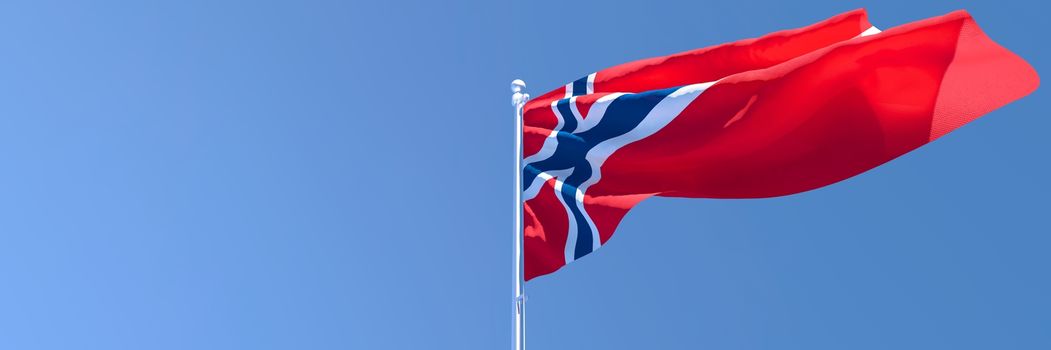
{"x": 518, "y": 99}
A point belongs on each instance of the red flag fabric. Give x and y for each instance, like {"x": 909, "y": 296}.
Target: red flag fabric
{"x": 781, "y": 114}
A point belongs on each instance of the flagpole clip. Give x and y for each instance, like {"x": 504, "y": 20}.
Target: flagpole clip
{"x": 520, "y": 303}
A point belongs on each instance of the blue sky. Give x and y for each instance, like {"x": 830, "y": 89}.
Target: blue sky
{"x": 337, "y": 175}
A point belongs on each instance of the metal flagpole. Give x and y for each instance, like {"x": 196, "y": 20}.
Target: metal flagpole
{"x": 518, "y": 100}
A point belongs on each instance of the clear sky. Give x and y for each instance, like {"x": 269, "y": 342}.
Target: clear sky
{"x": 337, "y": 175}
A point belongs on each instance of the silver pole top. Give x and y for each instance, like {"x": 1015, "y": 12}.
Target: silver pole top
{"x": 519, "y": 98}
{"x": 517, "y": 85}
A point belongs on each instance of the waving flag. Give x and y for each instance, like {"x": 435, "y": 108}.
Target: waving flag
{"x": 781, "y": 114}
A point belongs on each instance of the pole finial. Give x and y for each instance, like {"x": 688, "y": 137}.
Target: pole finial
{"x": 517, "y": 85}
{"x": 520, "y": 97}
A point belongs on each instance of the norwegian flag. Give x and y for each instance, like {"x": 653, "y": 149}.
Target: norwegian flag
{"x": 781, "y": 114}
